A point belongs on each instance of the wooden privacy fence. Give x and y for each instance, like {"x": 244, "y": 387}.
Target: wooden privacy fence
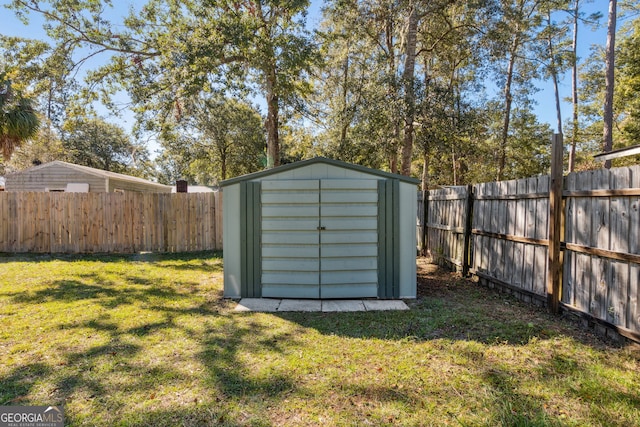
{"x": 509, "y": 239}
{"x": 110, "y": 222}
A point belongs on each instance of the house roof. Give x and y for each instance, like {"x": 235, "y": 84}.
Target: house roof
{"x": 315, "y": 160}
{"x": 93, "y": 171}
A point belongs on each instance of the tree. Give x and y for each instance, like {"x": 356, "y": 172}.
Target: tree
{"x": 557, "y": 54}
{"x": 18, "y": 119}
{"x": 101, "y": 145}
{"x": 168, "y": 50}
{"x": 408, "y": 81}
{"x": 451, "y": 53}
{"x": 357, "y": 91}
{"x": 607, "y": 132}
{"x": 510, "y": 36}
{"x": 576, "y": 17}
{"x": 44, "y": 147}
{"x": 218, "y": 139}
{"x": 628, "y": 84}
{"x": 46, "y": 71}
{"x": 373, "y": 72}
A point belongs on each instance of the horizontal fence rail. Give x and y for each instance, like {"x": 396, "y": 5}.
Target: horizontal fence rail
{"x": 110, "y": 222}
{"x": 599, "y": 243}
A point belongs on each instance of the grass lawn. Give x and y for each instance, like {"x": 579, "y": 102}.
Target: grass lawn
{"x": 148, "y": 341}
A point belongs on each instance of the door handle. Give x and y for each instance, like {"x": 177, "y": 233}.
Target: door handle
{"x": 320, "y": 228}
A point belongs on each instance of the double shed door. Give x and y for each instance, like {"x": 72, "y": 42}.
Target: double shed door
{"x": 319, "y": 238}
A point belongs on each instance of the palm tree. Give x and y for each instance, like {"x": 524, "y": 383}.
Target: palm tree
{"x": 18, "y": 119}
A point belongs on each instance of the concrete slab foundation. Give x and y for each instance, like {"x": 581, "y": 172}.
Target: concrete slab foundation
{"x": 268, "y": 305}
{"x": 258, "y": 304}
{"x": 343, "y": 305}
{"x": 300, "y": 305}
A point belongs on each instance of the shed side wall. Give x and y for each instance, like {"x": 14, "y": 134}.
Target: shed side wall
{"x": 408, "y": 244}
{"x": 231, "y": 241}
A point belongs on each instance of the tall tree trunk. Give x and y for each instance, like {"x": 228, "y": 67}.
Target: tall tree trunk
{"x": 425, "y": 169}
{"x": 609, "y": 82}
{"x": 393, "y": 92}
{"x": 343, "y": 116}
{"x": 574, "y": 88}
{"x": 273, "y": 140}
{"x": 508, "y": 99}
{"x": 554, "y": 75}
{"x": 453, "y": 165}
{"x": 223, "y": 162}
{"x": 269, "y": 70}
{"x": 409, "y": 93}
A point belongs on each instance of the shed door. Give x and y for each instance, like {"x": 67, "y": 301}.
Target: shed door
{"x": 319, "y": 238}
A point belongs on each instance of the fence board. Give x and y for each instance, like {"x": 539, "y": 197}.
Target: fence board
{"x": 633, "y": 316}
{"x": 444, "y": 222}
{"x": 542, "y": 230}
{"x": 510, "y": 220}
{"x": 109, "y": 222}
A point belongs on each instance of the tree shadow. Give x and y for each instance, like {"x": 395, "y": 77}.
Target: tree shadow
{"x": 233, "y": 377}
{"x": 96, "y": 287}
{"x": 16, "y": 385}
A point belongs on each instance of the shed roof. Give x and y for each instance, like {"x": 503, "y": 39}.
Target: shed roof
{"x": 316, "y": 160}
{"x": 93, "y": 171}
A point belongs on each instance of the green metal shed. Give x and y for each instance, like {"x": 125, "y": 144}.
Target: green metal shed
{"x": 320, "y": 228}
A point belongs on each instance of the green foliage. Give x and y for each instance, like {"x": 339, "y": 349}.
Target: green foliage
{"x": 218, "y": 138}
{"x": 628, "y": 61}
{"x": 18, "y": 119}
{"x": 382, "y": 83}
{"x": 361, "y": 91}
{"x": 102, "y": 145}
{"x": 44, "y": 147}
{"x": 626, "y": 131}
{"x": 165, "y": 52}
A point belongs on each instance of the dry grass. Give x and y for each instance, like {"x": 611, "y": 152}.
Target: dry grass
{"x": 148, "y": 340}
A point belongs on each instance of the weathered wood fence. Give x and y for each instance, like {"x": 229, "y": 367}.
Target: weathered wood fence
{"x": 110, "y": 222}
{"x": 509, "y": 240}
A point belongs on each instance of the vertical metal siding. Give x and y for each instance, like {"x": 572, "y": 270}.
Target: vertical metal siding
{"x": 250, "y": 228}
{"x": 388, "y": 239}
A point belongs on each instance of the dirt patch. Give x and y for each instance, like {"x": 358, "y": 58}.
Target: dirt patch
{"x": 497, "y": 309}
{"x": 435, "y": 281}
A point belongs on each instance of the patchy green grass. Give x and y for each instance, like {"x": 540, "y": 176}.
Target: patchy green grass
{"x": 148, "y": 340}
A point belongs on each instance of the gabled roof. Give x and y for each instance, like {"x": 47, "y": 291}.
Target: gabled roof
{"x": 93, "y": 171}
{"x": 315, "y": 160}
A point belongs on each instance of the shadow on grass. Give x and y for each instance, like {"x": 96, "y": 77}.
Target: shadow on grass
{"x": 233, "y": 377}
{"x": 95, "y": 287}
{"x": 174, "y": 261}
{"x": 454, "y": 309}
{"x": 421, "y": 325}
{"x": 515, "y": 408}
{"x": 17, "y": 384}
{"x": 246, "y": 364}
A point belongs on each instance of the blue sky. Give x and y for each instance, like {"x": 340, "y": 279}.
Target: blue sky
{"x": 545, "y": 108}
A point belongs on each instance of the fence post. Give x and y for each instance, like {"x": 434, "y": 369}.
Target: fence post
{"x": 468, "y": 215}
{"x": 554, "y": 272}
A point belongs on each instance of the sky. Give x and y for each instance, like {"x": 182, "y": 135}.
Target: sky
{"x": 544, "y": 109}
